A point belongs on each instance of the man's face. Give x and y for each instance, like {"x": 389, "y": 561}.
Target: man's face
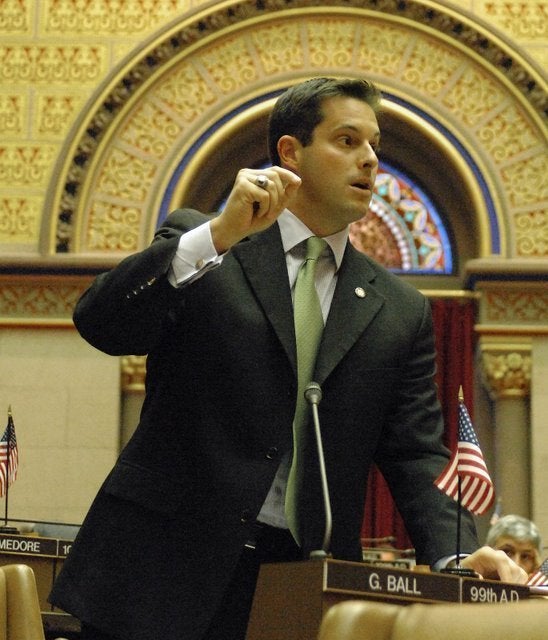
{"x": 522, "y": 553}
{"x": 338, "y": 168}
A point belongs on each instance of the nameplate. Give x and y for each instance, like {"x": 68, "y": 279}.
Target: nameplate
{"x": 396, "y": 585}
{"x": 34, "y": 546}
{"x": 391, "y": 584}
{"x": 492, "y": 591}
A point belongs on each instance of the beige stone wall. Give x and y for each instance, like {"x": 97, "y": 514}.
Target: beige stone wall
{"x": 65, "y": 401}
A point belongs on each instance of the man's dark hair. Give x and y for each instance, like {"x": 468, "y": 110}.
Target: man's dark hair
{"x": 298, "y": 111}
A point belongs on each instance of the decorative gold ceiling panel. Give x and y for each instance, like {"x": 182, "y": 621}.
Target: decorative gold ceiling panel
{"x": 107, "y": 192}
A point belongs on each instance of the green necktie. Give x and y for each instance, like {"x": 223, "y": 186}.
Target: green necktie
{"x": 308, "y": 331}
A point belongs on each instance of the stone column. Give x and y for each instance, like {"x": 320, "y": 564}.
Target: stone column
{"x": 506, "y": 367}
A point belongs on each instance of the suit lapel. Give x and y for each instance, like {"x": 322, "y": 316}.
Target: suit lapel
{"x": 355, "y": 304}
{"x": 262, "y": 260}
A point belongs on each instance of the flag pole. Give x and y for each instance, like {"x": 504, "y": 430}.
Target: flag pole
{"x": 459, "y": 496}
{"x": 458, "y": 569}
{"x": 5, "y": 528}
{"x": 459, "y": 512}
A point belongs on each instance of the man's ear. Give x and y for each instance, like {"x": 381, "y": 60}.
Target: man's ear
{"x": 288, "y": 150}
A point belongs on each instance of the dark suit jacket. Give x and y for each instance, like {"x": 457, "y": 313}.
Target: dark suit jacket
{"x": 167, "y": 527}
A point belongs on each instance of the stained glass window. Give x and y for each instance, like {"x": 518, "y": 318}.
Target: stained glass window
{"x": 402, "y": 229}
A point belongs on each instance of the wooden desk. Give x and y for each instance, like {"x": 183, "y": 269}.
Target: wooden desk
{"x": 291, "y": 598}
{"x": 44, "y": 555}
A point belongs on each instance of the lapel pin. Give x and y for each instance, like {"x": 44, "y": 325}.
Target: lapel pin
{"x": 360, "y": 292}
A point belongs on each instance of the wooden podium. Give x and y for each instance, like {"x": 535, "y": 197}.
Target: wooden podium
{"x": 292, "y": 598}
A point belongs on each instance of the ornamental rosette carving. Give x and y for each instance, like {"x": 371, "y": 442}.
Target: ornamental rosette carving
{"x": 507, "y": 373}
{"x": 133, "y": 370}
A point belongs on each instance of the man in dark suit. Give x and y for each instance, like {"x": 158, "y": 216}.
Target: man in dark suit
{"x": 172, "y": 544}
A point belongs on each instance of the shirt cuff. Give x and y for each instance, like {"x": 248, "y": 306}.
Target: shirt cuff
{"x": 445, "y": 562}
{"x": 195, "y": 256}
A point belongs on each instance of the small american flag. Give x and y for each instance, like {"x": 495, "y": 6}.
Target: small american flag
{"x": 476, "y": 488}
{"x": 540, "y": 577}
{"x": 9, "y": 457}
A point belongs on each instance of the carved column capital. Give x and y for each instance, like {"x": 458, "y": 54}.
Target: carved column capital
{"x": 506, "y": 366}
{"x": 133, "y": 370}
{"x": 511, "y": 313}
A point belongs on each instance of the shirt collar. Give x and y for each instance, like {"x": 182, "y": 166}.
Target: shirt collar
{"x": 294, "y": 231}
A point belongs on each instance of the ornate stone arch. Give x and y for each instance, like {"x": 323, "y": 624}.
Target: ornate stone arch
{"x": 169, "y": 111}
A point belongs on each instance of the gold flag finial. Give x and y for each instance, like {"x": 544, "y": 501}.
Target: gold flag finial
{"x": 461, "y": 394}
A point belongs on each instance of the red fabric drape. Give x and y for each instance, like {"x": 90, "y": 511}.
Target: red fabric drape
{"x": 454, "y": 335}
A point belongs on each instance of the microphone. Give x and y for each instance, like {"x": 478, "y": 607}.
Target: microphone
{"x": 313, "y": 395}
